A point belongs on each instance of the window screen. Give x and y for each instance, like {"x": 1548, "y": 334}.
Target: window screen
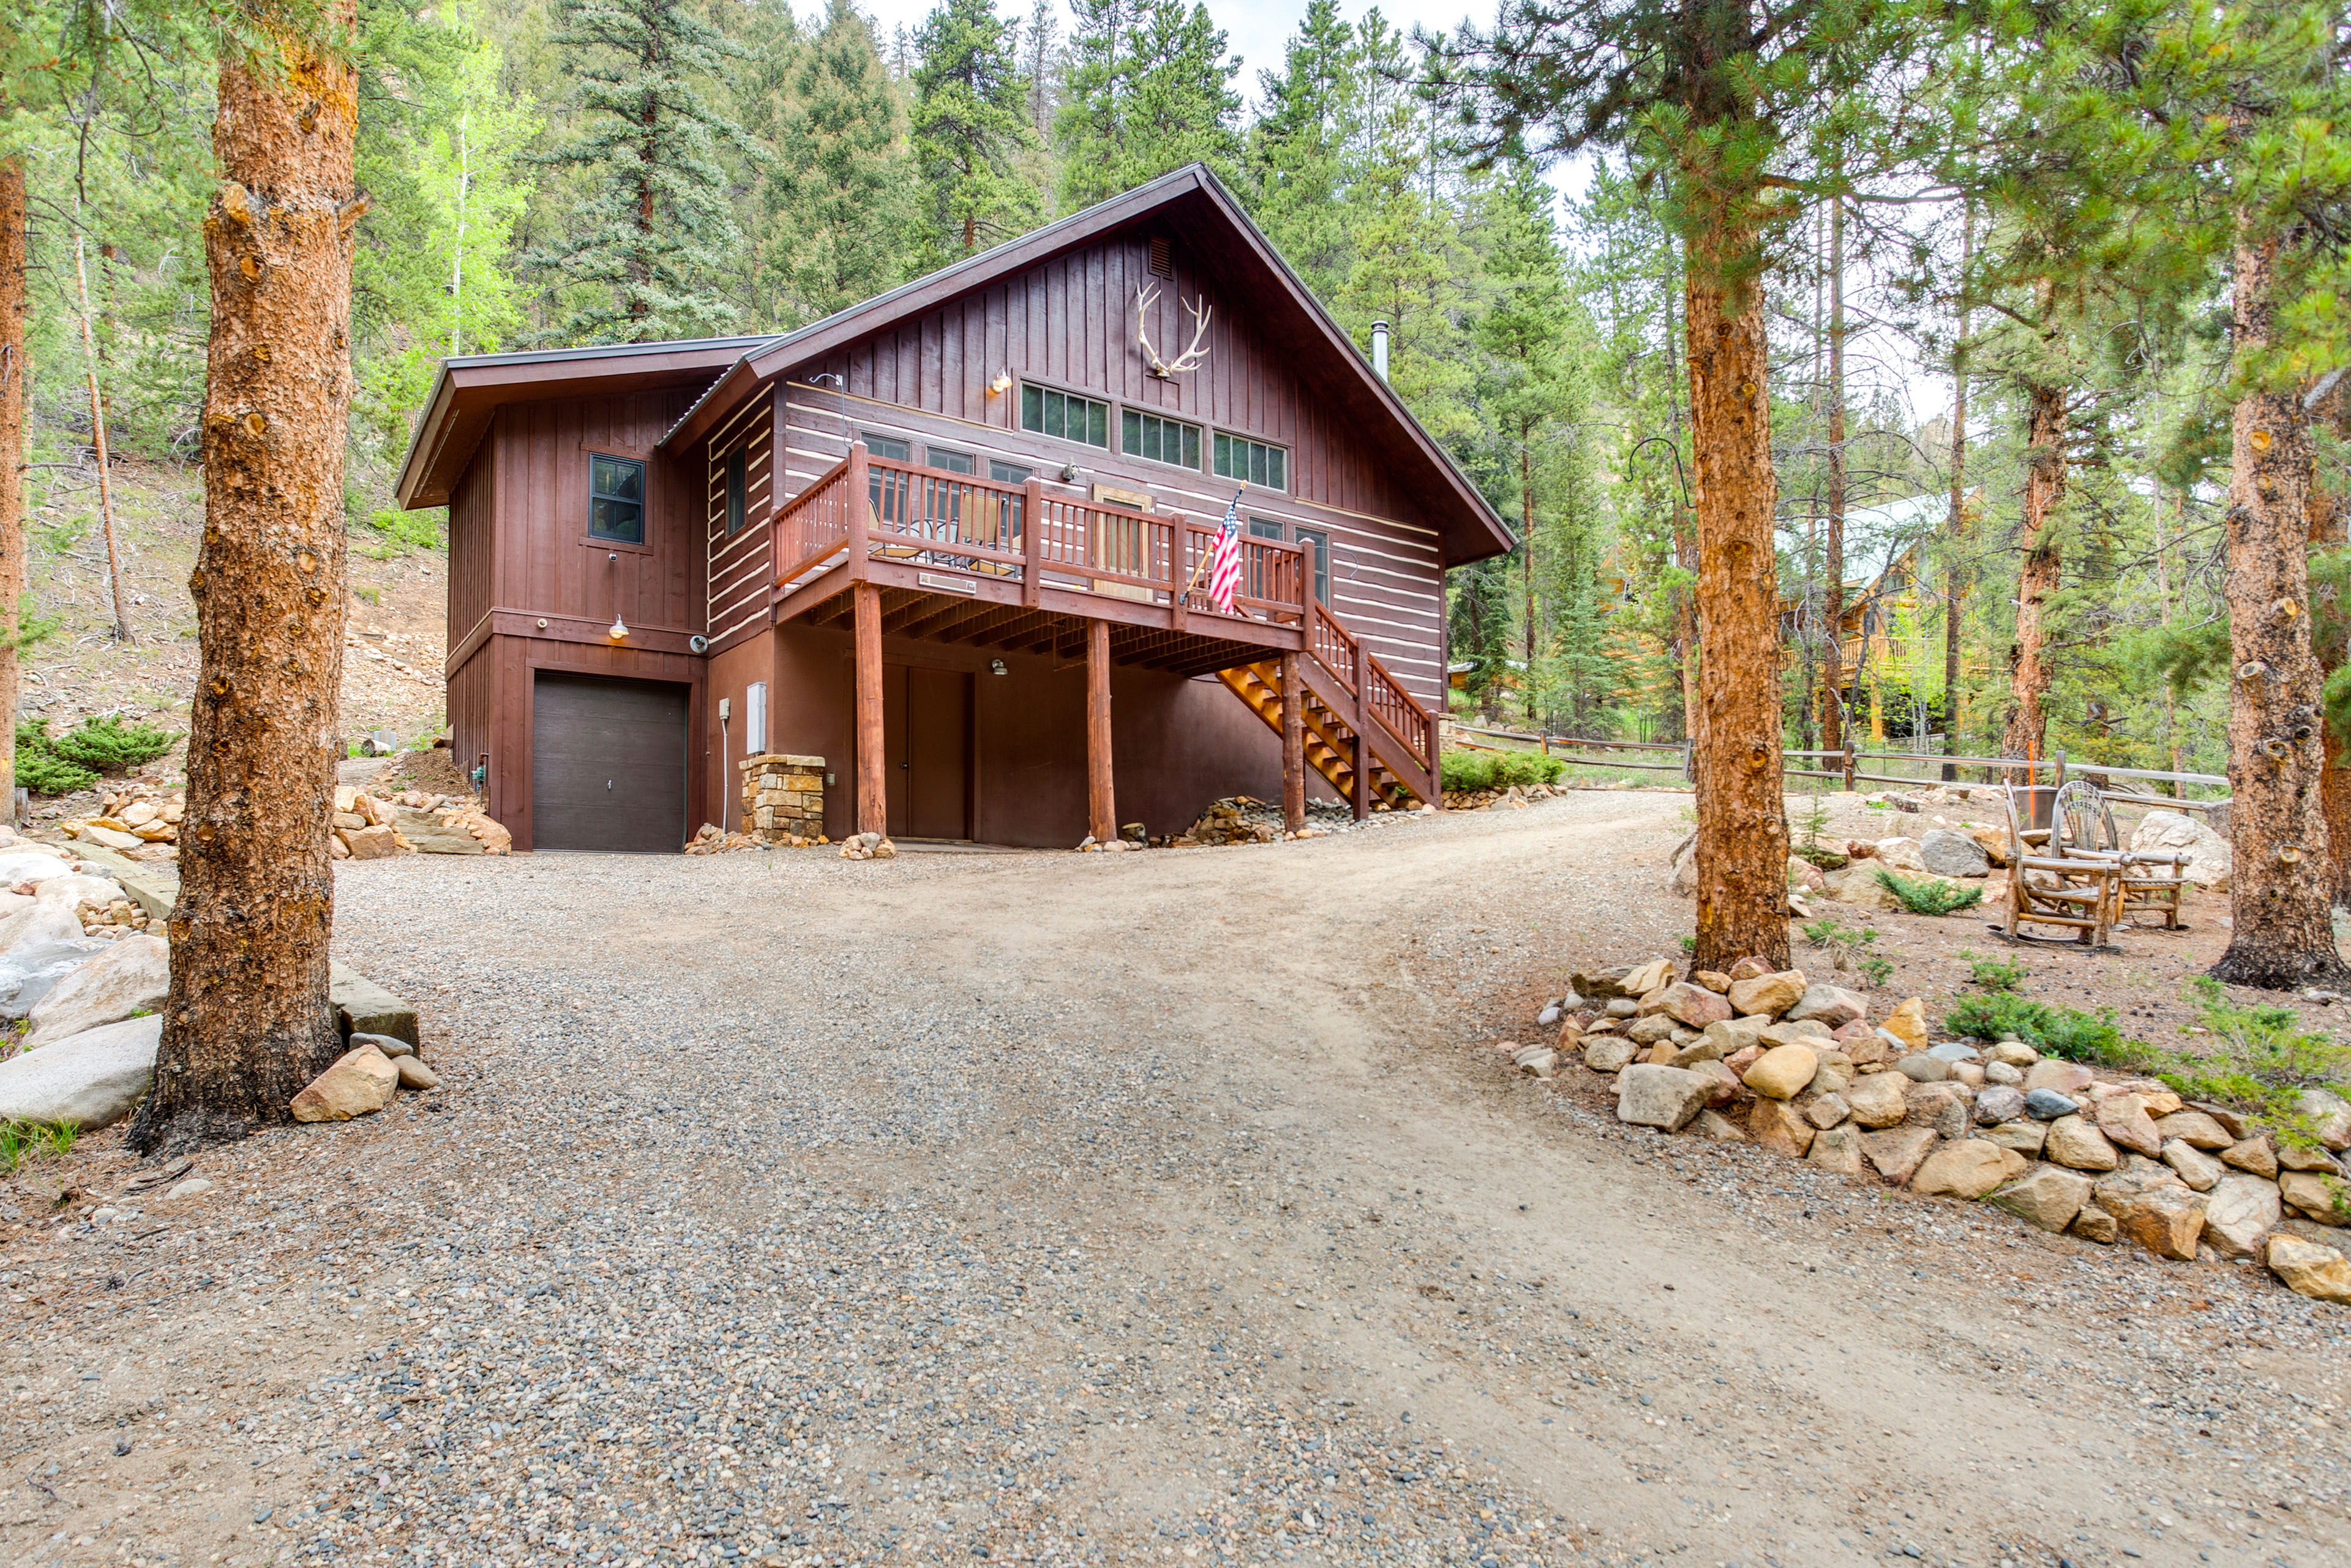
{"x": 1157, "y": 440}
{"x": 1065, "y": 415}
{"x": 734, "y": 492}
{"x": 1238, "y": 457}
{"x": 616, "y": 498}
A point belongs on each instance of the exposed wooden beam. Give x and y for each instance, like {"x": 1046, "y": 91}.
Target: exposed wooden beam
{"x": 1293, "y": 745}
{"x": 873, "y": 778}
{"x": 1102, "y": 804}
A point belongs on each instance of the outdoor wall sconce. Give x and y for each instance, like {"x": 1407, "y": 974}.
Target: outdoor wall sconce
{"x": 996, "y": 667}
{"x": 1070, "y": 472}
{"x": 1001, "y": 384}
{"x": 618, "y": 630}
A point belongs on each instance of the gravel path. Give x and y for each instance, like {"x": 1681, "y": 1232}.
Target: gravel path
{"x": 1146, "y": 1208}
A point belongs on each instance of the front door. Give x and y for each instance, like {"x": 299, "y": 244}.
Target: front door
{"x": 926, "y": 746}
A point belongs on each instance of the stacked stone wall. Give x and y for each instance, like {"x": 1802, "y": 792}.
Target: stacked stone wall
{"x": 783, "y": 797}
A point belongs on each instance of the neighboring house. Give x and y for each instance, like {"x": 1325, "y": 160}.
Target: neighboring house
{"x": 955, "y": 541}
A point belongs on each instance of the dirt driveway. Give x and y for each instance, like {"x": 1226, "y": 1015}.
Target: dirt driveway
{"x": 1162, "y": 1208}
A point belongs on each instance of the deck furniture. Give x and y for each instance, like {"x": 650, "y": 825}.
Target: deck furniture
{"x": 2146, "y": 881}
{"x": 2073, "y": 891}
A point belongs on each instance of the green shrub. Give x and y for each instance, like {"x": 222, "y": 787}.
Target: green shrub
{"x": 2052, "y": 1030}
{"x": 59, "y": 765}
{"x": 407, "y": 531}
{"x": 21, "y": 1139}
{"x": 1826, "y": 860}
{"x": 108, "y": 745}
{"x": 1993, "y": 974}
{"x": 1473, "y": 770}
{"x": 1929, "y": 895}
{"x": 1847, "y": 945}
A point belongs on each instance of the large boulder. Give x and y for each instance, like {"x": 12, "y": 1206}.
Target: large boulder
{"x": 1608, "y": 1052}
{"x": 2238, "y": 1212}
{"x": 1828, "y": 1005}
{"x": 2308, "y": 1268}
{"x": 1681, "y": 878}
{"x": 1692, "y": 1005}
{"x": 2167, "y": 1219}
{"x": 1947, "y": 853}
{"x": 1773, "y": 1125}
{"x": 42, "y": 925}
{"x": 2316, "y": 1196}
{"x": 2046, "y": 1196}
{"x": 1896, "y": 1150}
{"x": 20, "y": 865}
{"x": 133, "y": 976}
{"x": 2209, "y": 860}
{"x": 1967, "y": 1168}
{"x": 1858, "y": 885}
{"x": 366, "y": 1008}
{"x": 2077, "y": 1144}
{"x": 1768, "y": 996}
{"x": 1783, "y": 1072}
{"x": 361, "y": 1082}
{"x": 1876, "y": 1099}
{"x": 1902, "y": 854}
{"x": 75, "y": 889}
{"x": 1649, "y": 1096}
{"x": 29, "y": 974}
{"x": 86, "y": 1081}
{"x": 2329, "y": 1116}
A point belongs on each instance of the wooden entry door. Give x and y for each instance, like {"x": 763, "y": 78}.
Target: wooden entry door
{"x": 926, "y": 747}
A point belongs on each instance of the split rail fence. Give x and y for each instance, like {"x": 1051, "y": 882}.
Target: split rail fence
{"x": 1850, "y": 765}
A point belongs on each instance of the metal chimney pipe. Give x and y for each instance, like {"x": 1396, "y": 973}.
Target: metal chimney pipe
{"x": 1380, "y": 349}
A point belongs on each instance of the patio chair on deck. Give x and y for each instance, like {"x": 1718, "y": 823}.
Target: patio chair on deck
{"x": 2074, "y": 891}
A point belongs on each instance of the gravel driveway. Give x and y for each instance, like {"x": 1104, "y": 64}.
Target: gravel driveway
{"x": 1042, "y": 1208}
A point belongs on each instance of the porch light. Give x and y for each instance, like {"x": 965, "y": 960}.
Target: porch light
{"x": 618, "y": 630}
{"x": 996, "y": 667}
{"x": 1001, "y": 384}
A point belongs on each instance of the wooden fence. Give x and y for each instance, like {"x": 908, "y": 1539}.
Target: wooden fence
{"x": 1851, "y": 764}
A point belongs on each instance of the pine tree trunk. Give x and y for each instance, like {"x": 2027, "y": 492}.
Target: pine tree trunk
{"x": 2330, "y": 528}
{"x": 13, "y": 375}
{"x": 247, "y": 1023}
{"x": 1833, "y": 714}
{"x": 2282, "y": 935}
{"x": 2044, "y": 486}
{"x": 1526, "y": 545}
{"x": 1685, "y": 626}
{"x": 1742, "y": 824}
{"x": 1955, "y": 579}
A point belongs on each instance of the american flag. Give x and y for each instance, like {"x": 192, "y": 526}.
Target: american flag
{"x": 1225, "y": 566}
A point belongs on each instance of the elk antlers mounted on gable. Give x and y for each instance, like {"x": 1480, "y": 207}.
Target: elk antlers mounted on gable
{"x": 1195, "y": 352}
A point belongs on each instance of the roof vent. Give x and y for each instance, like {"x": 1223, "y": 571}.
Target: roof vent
{"x": 1162, "y": 259}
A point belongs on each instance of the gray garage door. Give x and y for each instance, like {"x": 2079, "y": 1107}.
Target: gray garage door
{"x": 607, "y": 764}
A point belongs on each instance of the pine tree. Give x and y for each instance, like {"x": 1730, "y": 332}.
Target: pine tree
{"x": 1149, "y": 89}
{"x": 1041, "y": 65}
{"x": 1678, "y": 83}
{"x": 970, "y": 124}
{"x": 651, "y": 238}
{"x": 841, "y": 183}
{"x": 1296, "y": 168}
{"x": 246, "y": 1022}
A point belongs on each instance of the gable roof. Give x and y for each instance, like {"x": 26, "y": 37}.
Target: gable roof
{"x": 1216, "y": 225}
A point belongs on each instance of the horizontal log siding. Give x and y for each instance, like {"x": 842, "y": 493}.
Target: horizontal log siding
{"x": 1385, "y": 582}
{"x": 740, "y": 567}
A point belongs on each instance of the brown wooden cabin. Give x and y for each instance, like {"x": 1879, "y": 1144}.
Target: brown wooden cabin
{"x": 955, "y": 541}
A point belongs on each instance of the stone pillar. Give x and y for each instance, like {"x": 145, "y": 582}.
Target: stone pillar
{"x": 783, "y": 797}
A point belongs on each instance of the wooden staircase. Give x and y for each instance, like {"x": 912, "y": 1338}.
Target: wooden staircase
{"x": 1397, "y": 736}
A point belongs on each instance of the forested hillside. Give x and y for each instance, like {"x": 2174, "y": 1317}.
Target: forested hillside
{"x": 553, "y": 171}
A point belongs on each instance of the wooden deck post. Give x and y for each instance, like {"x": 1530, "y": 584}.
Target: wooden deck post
{"x": 1032, "y": 541}
{"x": 1293, "y": 745}
{"x": 872, "y": 768}
{"x": 1102, "y": 805}
{"x": 1363, "y": 802}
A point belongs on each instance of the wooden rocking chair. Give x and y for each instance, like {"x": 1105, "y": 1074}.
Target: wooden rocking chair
{"x": 2146, "y": 881}
{"x": 2079, "y": 894}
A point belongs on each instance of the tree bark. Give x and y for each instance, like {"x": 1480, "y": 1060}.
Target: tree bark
{"x": 2044, "y": 486}
{"x": 1955, "y": 576}
{"x": 2282, "y": 935}
{"x": 247, "y": 1023}
{"x": 1833, "y": 714}
{"x": 12, "y": 377}
{"x": 1685, "y": 626}
{"x": 2330, "y": 528}
{"x": 97, "y": 442}
{"x": 1527, "y": 564}
{"x": 1742, "y": 824}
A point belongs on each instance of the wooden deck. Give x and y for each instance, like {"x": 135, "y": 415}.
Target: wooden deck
{"x": 889, "y": 549}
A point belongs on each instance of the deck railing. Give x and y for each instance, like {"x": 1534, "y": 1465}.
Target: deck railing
{"x": 1018, "y": 533}
{"x": 1355, "y": 667}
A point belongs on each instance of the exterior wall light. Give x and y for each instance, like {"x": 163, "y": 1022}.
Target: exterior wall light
{"x": 618, "y": 630}
{"x": 996, "y": 667}
{"x": 1001, "y": 385}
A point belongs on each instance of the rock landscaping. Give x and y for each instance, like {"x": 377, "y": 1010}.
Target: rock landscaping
{"x": 1246, "y": 819}
{"x": 1794, "y": 1065}
{"x": 369, "y": 827}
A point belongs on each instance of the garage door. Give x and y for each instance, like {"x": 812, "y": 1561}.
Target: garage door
{"x": 607, "y": 764}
